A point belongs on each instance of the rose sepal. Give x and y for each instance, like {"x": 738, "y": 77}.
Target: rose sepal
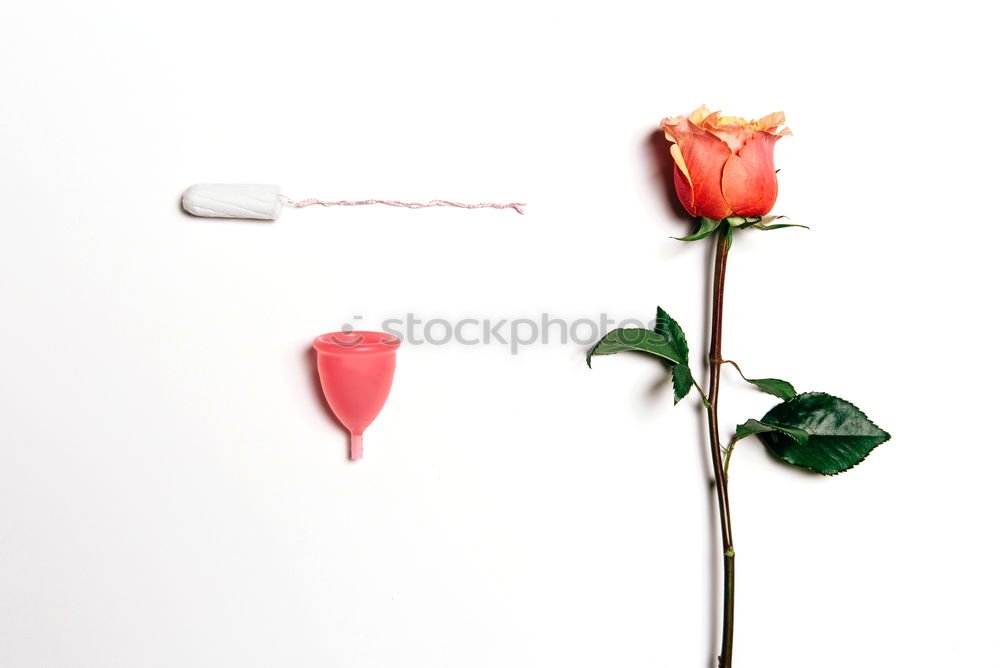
{"x": 705, "y": 227}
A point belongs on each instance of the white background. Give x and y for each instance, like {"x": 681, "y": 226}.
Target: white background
{"x": 174, "y": 493}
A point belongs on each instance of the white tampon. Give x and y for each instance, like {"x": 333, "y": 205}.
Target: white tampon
{"x": 233, "y": 200}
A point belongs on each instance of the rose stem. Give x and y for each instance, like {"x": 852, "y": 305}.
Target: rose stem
{"x": 721, "y": 482}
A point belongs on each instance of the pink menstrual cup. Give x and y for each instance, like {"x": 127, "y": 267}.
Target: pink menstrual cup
{"x": 355, "y": 370}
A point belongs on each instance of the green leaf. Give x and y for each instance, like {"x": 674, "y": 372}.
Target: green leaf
{"x": 751, "y": 427}
{"x": 838, "y": 436}
{"x": 705, "y": 227}
{"x": 668, "y": 327}
{"x": 641, "y": 340}
{"x": 682, "y": 381}
{"x": 779, "y": 388}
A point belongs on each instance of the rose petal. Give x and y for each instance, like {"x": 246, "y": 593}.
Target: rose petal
{"x": 731, "y": 129}
{"x": 716, "y": 120}
{"x": 748, "y": 179}
{"x": 771, "y": 122}
{"x": 703, "y": 157}
{"x": 682, "y": 181}
{"x": 733, "y": 134}
{"x": 699, "y": 115}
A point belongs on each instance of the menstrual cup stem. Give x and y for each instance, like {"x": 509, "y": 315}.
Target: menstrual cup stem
{"x": 356, "y": 446}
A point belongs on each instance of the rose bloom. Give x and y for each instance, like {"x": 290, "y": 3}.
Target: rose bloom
{"x": 724, "y": 165}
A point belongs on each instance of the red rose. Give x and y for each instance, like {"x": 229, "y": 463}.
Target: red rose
{"x": 723, "y": 165}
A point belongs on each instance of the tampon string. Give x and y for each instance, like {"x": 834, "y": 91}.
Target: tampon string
{"x": 517, "y": 206}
